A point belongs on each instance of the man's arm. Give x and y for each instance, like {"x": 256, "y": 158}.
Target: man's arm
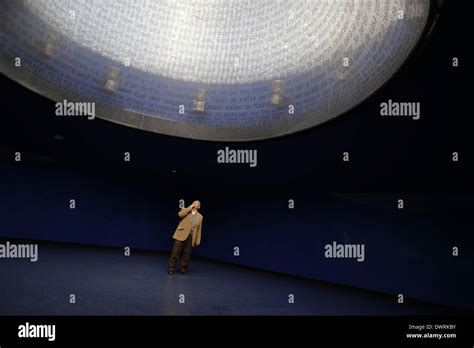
{"x": 185, "y": 211}
{"x": 198, "y": 237}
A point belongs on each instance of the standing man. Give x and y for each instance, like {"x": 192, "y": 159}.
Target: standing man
{"x": 186, "y": 236}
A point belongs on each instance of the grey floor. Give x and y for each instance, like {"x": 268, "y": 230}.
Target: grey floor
{"x": 105, "y": 282}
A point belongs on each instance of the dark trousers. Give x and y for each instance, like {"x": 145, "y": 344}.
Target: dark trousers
{"x": 180, "y": 250}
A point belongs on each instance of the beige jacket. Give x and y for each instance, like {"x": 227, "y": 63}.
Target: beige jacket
{"x": 184, "y": 227}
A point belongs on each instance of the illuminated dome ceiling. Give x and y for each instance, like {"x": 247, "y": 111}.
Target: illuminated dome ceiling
{"x": 228, "y": 70}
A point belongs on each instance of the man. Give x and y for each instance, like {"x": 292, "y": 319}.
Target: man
{"x": 186, "y": 237}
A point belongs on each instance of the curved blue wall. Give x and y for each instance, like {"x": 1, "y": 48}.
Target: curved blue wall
{"x": 407, "y": 251}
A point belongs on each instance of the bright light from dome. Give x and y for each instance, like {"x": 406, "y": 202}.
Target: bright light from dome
{"x": 208, "y": 69}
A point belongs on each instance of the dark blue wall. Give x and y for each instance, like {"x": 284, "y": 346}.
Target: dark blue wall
{"x": 406, "y": 251}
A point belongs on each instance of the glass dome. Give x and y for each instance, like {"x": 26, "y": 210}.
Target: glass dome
{"x": 224, "y": 70}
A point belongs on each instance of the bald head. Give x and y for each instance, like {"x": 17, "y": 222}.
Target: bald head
{"x": 196, "y": 205}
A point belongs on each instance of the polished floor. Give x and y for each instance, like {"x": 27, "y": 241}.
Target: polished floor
{"x": 105, "y": 282}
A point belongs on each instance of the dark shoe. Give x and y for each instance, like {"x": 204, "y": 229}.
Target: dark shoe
{"x": 170, "y": 272}
{"x": 184, "y": 272}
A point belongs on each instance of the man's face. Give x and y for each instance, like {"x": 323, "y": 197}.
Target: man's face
{"x": 197, "y": 204}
